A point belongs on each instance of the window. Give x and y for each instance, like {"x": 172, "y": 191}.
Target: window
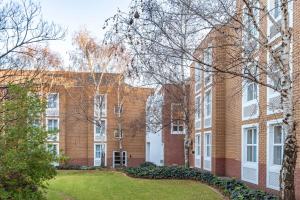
{"x": 100, "y": 106}
{"x": 100, "y": 130}
{"x": 198, "y": 112}
{"x": 251, "y": 145}
{"x": 198, "y": 150}
{"x": 53, "y": 127}
{"x": 250, "y": 153}
{"x": 278, "y": 143}
{"x": 207, "y": 108}
{"x": 275, "y": 142}
{"x": 118, "y": 109}
{"x": 276, "y": 9}
{"x": 274, "y": 79}
{"x": 208, "y": 67}
{"x": 251, "y": 91}
{"x": 118, "y": 133}
{"x": 250, "y": 98}
{"x": 177, "y": 119}
{"x": 52, "y": 100}
{"x": 207, "y": 151}
{"x": 36, "y": 123}
{"x": 53, "y": 148}
{"x": 251, "y": 71}
{"x": 177, "y": 127}
{"x": 250, "y": 33}
{"x": 198, "y": 75}
{"x": 99, "y": 155}
{"x": 120, "y": 159}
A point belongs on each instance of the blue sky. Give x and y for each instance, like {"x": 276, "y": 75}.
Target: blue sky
{"x": 75, "y": 14}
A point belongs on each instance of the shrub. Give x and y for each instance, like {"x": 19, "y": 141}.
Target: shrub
{"x": 25, "y": 163}
{"x": 147, "y": 164}
{"x": 233, "y": 188}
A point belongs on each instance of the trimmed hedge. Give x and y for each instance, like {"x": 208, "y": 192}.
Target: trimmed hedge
{"x": 76, "y": 167}
{"x": 232, "y": 188}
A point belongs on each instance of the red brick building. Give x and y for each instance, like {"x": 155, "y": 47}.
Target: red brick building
{"x": 238, "y": 126}
{"x": 100, "y": 119}
{"x": 171, "y": 129}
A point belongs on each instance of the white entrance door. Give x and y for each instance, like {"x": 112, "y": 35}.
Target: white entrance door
{"x": 99, "y": 155}
{"x": 198, "y": 150}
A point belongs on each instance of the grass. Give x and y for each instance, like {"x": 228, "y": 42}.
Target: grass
{"x": 96, "y": 185}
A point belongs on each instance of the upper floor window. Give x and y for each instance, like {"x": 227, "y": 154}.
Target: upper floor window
{"x": 52, "y": 100}
{"x": 177, "y": 127}
{"x": 198, "y": 76}
{"x": 250, "y": 108}
{"x": 198, "y": 112}
{"x": 250, "y": 21}
{"x": 207, "y": 108}
{"x": 274, "y": 78}
{"x": 53, "y": 127}
{"x": 100, "y": 106}
{"x": 208, "y": 68}
{"x": 276, "y": 9}
{"x": 177, "y": 119}
{"x": 100, "y": 130}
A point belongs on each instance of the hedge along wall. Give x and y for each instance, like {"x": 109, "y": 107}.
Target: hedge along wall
{"x": 232, "y": 188}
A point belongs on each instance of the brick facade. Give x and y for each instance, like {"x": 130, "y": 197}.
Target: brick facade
{"x": 227, "y": 105}
{"x": 76, "y": 93}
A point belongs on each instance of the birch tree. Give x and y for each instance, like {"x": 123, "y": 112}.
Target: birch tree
{"x": 104, "y": 65}
{"x": 163, "y": 36}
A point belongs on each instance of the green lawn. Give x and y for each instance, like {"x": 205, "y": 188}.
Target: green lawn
{"x": 96, "y": 185}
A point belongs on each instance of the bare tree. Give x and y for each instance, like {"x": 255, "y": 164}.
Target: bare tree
{"x": 21, "y": 28}
{"x": 163, "y": 36}
{"x": 105, "y": 68}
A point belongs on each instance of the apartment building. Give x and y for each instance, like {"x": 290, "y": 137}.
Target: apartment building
{"x": 100, "y": 120}
{"x": 237, "y": 123}
{"x": 165, "y": 126}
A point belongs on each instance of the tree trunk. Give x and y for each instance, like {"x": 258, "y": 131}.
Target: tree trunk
{"x": 186, "y": 150}
{"x": 287, "y": 172}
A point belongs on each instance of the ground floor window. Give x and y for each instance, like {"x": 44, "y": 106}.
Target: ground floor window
{"x": 119, "y": 158}
{"x": 275, "y": 142}
{"x": 207, "y": 151}
{"x": 100, "y": 155}
{"x": 250, "y": 153}
{"x": 53, "y": 148}
{"x": 198, "y": 150}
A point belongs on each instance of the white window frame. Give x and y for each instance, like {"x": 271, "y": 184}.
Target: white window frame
{"x": 270, "y": 92}
{"x": 205, "y": 104}
{"x": 205, "y": 146}
{"x": 105, "y": 153}
{"x": 198, "y": 78}
{"x": 105, "y": 132}
{"x": 270, "y": 166}
{"x": 270, "y": 23}
{"x": 52, "y": 111}
{"x": 209, "y": 61}
{"x": 173, "y": 124}
{"x": 57, "y": 150}
{"x": 257, "y": 21}
{"x": 58, "y": 125}
{"x": 103, "y": 109}
{"x": 245, "y": 102}
{"x": 245, "y": 163}
{"x": 198, "y": 119}
{"x": 199, "y": 135}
